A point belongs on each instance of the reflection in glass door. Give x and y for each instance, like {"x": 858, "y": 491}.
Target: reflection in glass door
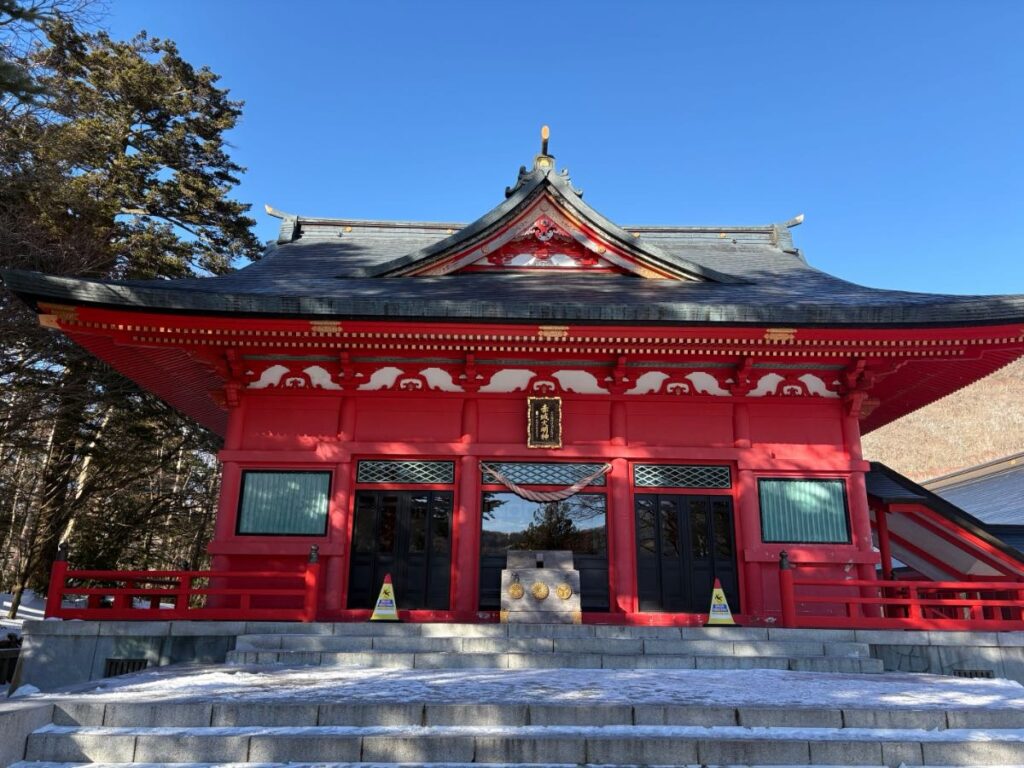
{"x": 406, "y": 534}
{"x": 683, "y": 543}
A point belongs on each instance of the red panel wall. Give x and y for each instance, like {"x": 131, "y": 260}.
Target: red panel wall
{"x": 791, "y": 436}
{"x": 282, "y": 422}
{"x": 402, "y": 419}
{"x": 700, "y": 423}
{"x": 502, "y": 420}
{"x": 817, "y": 424}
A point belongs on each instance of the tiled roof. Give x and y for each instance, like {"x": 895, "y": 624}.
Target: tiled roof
{"x": 322, "y": 267}
{"x": 995, "y": 499}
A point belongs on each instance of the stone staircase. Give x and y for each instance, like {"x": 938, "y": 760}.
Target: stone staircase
{"x": 297, "y": 712}
{"x": 437, "y": 735}
{"x": 540, "y": 646}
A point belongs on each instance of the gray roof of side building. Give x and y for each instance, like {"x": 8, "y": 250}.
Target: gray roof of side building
{"x": 890, "y": 487}
{"x": 343, "y": 268}
{"x": 995, "y": 499}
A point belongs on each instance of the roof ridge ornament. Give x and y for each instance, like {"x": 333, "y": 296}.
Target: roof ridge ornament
{"x": 543, "y": 163}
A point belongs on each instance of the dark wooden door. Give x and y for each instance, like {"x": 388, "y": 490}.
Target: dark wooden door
{"x": 406, "y": 534}
{"x": 683, "y": 543}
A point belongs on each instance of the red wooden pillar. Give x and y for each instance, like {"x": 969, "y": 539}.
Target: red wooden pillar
{"x": 787, "y": 591}
{"x": 465, "y": 579}
{"x": 227, "y": 510}
{"x": 236, "y": 422}
{"x": 230, "y": 484}
{"x": 55, "y": 591}
{"x": 617, "y": 423}
{"x": 335, "y": 565}
{"x": 311, "y": 584}
{"x": 860, "y": 516}
{"x": 884, "y": 545}
{"x": 621, "y": 540}
{"x": 749, "y": 529}
{"x": 741, "y": 522}
{"x": 466, "y": 543}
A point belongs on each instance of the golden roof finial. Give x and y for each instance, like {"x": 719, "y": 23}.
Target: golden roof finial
{"x": 545, "y": 133}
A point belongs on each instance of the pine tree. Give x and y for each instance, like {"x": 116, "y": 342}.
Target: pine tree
{"x": 118, "y": 170}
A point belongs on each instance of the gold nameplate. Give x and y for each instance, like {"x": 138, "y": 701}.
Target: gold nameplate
{"x": 543, "y": 422}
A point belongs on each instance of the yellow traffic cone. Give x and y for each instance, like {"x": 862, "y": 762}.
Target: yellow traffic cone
{"x": 386, "y": 609}
{"x": 719, "y": 613}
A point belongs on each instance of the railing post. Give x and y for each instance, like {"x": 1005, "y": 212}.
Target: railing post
{"x": 183, "y": 595}
{"x": 58, "y": 577}
{"x": 312, "y": 584}
{"x": 914, "y": 608}
{"x": 786, "y": 590}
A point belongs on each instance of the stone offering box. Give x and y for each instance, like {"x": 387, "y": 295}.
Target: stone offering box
{"x": 540, "y": 587}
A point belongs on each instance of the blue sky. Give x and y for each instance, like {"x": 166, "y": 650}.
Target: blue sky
{"x": 896, "y": 127}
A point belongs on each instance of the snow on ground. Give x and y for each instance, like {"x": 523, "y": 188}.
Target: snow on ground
{"x": 728, "y": 688}
{"x": 31, "y": 607}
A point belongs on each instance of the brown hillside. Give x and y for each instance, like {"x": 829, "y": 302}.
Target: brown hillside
{"x": 982, "y": 422}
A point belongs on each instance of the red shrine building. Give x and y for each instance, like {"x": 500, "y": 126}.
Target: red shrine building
{"x": 673, "y": 404}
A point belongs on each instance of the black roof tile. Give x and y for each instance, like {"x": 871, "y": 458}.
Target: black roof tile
{"x": 329, "y": 268}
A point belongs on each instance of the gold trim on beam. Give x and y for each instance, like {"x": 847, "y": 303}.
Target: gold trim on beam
{"x": 779, "y": 334}
{"x": 325, "y": 327}
{"x": 64, "y": 313}
{"x": 553, "y": 332}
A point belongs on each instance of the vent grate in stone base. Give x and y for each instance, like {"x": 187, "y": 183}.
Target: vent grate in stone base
{"x": 439, "y": 472}
{"x": 973, "y": 673}
{"x": 115, "y": 667}
{"x": 681, "y": 476}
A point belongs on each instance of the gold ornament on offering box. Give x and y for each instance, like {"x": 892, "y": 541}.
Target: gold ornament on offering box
{"x": 564, "y": 591}
{"x": 539, "y": 590}
{"x": 516, "y": 591}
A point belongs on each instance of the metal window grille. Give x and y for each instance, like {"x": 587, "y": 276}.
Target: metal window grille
{"x": 681, "y": 476}
{"x": 115, "y": 667}
{"x": 440, "y": 472}
{"x": 553, "y": 473}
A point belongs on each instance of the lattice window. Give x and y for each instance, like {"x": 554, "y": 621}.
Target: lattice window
{"x": 435, "y": 472}
{"x": 681, "y": 476}
{"x": 553, "y": 473}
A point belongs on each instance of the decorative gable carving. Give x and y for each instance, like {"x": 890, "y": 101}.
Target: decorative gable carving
{"x": 544, "y": 245}
{"x": 545, "y": 225}
{"x": 546, "y": 236}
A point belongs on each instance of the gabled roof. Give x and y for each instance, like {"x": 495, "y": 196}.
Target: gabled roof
{"x": 351, "y": 269}
{"x": 545, "y": 192}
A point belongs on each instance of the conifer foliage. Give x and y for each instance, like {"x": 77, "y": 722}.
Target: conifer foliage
{"x": 113, "y": 164}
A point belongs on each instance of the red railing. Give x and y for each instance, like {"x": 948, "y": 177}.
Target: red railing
{"x": 874, "y": 604}
{"x": 188, "y": 595}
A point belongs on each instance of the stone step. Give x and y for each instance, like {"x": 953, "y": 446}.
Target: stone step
{"x": 609, "y": 745}
{"x": 607, "y": 646}
{"x": 552, "y": 660}
{"x": 303, "y": 713}
{"x": 438, "y": 629}
{"x": 24, "y": 764}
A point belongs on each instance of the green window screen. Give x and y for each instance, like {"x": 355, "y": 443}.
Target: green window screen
{"x": 804, "y": 511}
{"x": 284, "y": 503}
